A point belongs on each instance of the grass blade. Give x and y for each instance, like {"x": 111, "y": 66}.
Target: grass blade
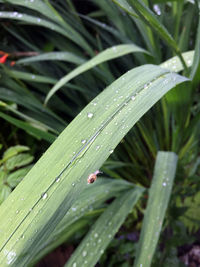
{"x": 194, "y": 75}
{"x": 150, "y": 19}
{"x": 174, "y": 63}
{"x": 159, "y": 195}
{"x": 89, "y": 200}
{"x": 44, "y": 23}
{"x": 64, "y": 56}
{"x": 29, "y": 129}
{"x": 93, "y": 245}
{"x": 45, "y": 195}
{"x": 108, "y": 54}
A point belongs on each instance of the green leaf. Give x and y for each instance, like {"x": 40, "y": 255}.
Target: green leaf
{"x": 18, "y": 161}
{"x": 37, "y": 133}
{"x": 108, "y": 54}
{"x": 150, "y": 19}
{"x": 67, "y": 32}
{"x": 159, "y": 195}
{"x": 174, "y": 63}
{"x": 194, "y": 75}
{"x": 57, "y": 179}
{"x": 15, "y": 178}
{"x": 30, "y": 77}
{"x": 64, "y": 56}
{"x": 93, "y": 245}
{"x": 91, "y": 198}
{"x": 4, "y": 192}
{"x": 13, "y": 151}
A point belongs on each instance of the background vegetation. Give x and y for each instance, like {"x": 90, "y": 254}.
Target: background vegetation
{"x": 56, "y": 57}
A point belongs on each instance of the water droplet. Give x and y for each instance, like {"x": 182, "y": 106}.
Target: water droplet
{"x": 111, "y": 151}
{"x": 90, "y": 115}
{"x": 44, "y": 195}
{"x": 84, "y": 253}
{"x": 33, "y": 76}
{"x": 97, "y": 147}
{"x": 19, "y": 15}
{"x": 83, "y": 141}
{"x": 164, "y": 184}
{"x": 74, "y": 209}
{"x": 114, "y": 49}
{"x": 57, "y": 179}
{"x": 38, "y": 20}
{"x": 95, "y": 235}
{"x": 101, "y": 251}
{"x": 109, "y": 236}
{"x": 99, "y": 241}
{"x": 74, "y": 264}
{"x": 10, "y": 256}
{"x": 73, "y": 184}
{"x": 133, "y": 97}
{"x": 17, "y": 211}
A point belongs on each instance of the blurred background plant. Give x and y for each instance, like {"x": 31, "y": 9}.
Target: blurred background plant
{"x": 42, "y": 41}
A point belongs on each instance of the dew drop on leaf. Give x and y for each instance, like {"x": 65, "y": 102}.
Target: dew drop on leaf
{"x": 84, "y": 253}
{"x": 44, "y": 195}
{"x": 90, "y": 115}
{"x": 95, "y": 235}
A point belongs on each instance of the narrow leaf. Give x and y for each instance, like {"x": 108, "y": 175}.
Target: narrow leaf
{"x": 64, "y": 56}
{"x": 194, "y": 75}
{"x": 159, "y": 195}
{"x": 149, "y": 17}
{"x": 108, "y": 54}
{"x": 94, "y": 244}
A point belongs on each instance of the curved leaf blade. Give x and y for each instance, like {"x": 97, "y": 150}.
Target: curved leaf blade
{"x": 45, "y": 195}
{"x": 149, "y": 18}
{"x": 93, "y": 245}
{"x": 64, "y": 56}
{"x": 108, "y": 54}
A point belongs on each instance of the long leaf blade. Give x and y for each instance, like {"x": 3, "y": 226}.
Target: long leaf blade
{"x": 93, "y": 245}
{"x": 45, "y": 195}
{"x": 108, "y": 54}
{"x": 159, "y": 195}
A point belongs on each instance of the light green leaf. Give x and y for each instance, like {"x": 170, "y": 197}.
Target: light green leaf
{"x": 13, "y": 151}
{"x": 108, "y": 54}
{"x": 90, "y": 199}
{"x": 15, "y": 178}
{"x": 174, "y": 63}
{"x": 96, "y": 241}
{"x": 64, "y": 56}
{"x": 4, "y": 192}
{"x": 57, "y": 179}
{"x": 18, "y": 161}
{"x": 159, "y": 195}
{"x": 30, "y": 77}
